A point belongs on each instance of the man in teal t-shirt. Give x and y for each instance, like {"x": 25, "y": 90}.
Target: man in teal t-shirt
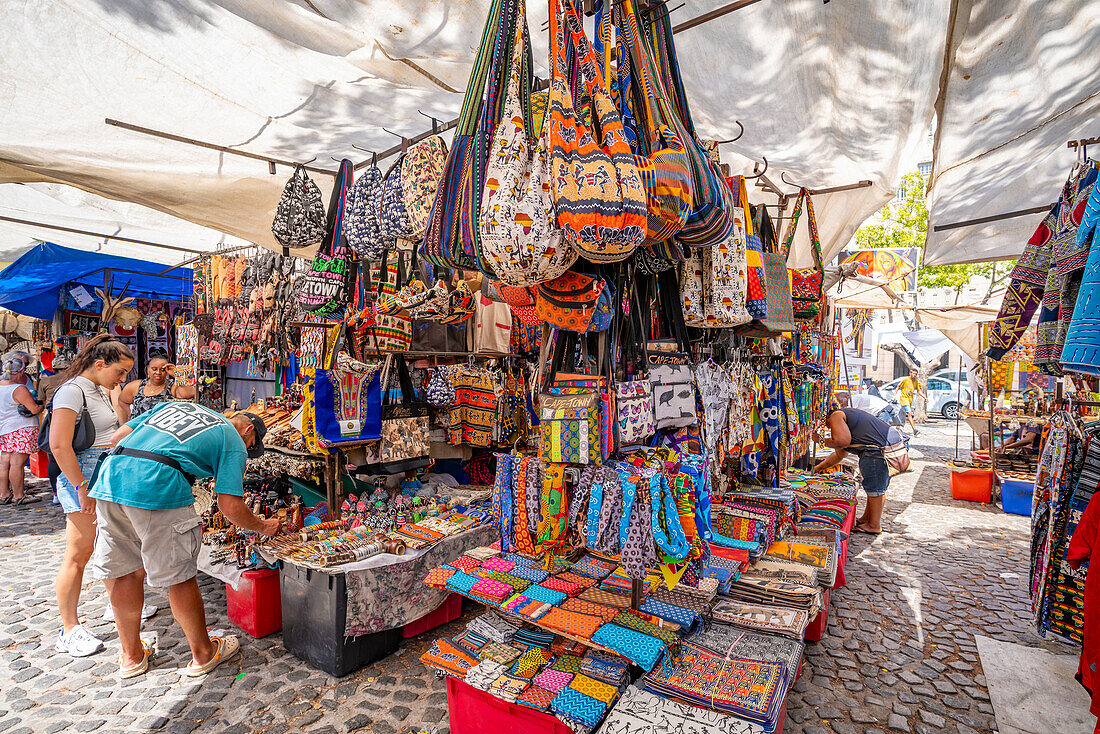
{"x": 147, "y": 525}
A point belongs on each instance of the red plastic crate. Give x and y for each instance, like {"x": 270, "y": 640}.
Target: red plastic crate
{"x": 473, "y": 711}
{"x": 40, "y": 464}
{"x": 255, "y": 605}
{"x": 816, "y": 629}
{"x": 973, "y": 485}
{"x": 448, "y": 611}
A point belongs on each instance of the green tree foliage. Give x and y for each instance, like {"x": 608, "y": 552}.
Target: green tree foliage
{"x": 904, "y": 223}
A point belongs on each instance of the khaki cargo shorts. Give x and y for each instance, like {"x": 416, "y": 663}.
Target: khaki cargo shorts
{"x": 163, "y": 542}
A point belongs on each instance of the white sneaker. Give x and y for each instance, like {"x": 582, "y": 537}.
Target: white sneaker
{"x": 147, "y": 611}
{"x": 79, "y": 642}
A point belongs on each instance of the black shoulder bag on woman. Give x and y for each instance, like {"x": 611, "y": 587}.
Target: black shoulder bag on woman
{"x": 83, "y": 430}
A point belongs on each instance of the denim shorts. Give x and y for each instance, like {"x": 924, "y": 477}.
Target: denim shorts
{"x": 876, "y": 475}
{"x": 66, "y": 492}
{"x": 905, "y": 411}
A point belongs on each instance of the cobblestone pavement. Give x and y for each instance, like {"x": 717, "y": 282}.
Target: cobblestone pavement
{"x": 899, "y": 654}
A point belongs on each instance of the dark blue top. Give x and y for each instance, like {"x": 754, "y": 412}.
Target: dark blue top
{"x": 866, "y": 429}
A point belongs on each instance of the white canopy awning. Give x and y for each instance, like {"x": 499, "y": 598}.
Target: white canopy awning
{"x": 1023, "y": 81}
{"x": 832, "y": 94}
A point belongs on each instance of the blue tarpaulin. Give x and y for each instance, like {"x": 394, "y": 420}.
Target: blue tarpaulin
{"x": 33, "y": 285}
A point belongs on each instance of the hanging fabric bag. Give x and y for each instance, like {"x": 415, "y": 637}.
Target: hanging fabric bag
{"x": 756, "y": 297}
{"x": 576, "y": 302}
{"x": 422, "y": 171}
{"x": 404, "y": 444}
{"x": 805, "y": 282}
{"x": 598, "y": 194}
{"x": 519, "y": 233}
{"x": 452, "y": 237}
{"x": 326, "y": 287}
{"x": 300, "y": 216}
{"x": 666, "y": 176}
{"x": 361, "y": 225}
{"x": 709, "y": 221}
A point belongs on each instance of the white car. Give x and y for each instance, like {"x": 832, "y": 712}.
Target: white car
{"x": 944, "y": 396}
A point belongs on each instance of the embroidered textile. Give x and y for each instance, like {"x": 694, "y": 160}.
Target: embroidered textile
{"x": 640, "y": 712}
{"x": 747, "y": 688}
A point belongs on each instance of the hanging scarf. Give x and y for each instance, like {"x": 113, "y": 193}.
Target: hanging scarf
{"x": 555, "y": 508}
{"x": 769, "y": 414}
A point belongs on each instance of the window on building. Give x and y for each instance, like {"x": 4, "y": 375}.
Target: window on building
{"x": 925, "y": 168}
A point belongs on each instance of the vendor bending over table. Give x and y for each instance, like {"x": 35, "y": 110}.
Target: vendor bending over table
{"x": 856, "y": 431}
{"x": 147, "y": 519}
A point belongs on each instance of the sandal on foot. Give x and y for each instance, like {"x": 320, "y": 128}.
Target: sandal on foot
{"x": 133, "y": 671}
{"x": 861, "y": 529}
{"x": 6, "y": 500}
{"x": 225, "y": 647}
{"x": 26, "y": 499}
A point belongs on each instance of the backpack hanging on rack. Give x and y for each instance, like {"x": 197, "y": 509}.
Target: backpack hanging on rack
{"x": 805, "y": 282}
{"x": 362, "y": 230}
{"x": 519, "y": 233}
{"x": 421, "y": 173}
{"x": 300, "y": 216}
{"x": 326, "y": 288}
{"x": 598, "y": 193}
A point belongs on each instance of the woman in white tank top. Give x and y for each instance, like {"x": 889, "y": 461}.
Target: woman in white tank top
{"x": 18, "y": 432}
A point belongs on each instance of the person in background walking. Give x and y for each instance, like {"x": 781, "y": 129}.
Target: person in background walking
{"x": 907, "y": 388}
{"x": 95, "y": 371}
{"x": 18, "y": 429}
{"x": 158, "y": 387}
{"x": 876, "y": 389}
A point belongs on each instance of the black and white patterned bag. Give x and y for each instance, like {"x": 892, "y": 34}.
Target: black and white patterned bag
{"x": 673, "y": 395}
{"x": 300, "y": 216}
{"x": 361, "y": 218}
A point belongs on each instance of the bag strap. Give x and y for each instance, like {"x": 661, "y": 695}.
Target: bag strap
{"x": 142, "y": 454}
{"x": 765, "y": 228}
{"x": 815, "y": 241}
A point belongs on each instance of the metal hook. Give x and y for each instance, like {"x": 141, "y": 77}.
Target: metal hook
{"x": 306, "y": 163}
{"x": 374, "y": 155}
{"x": 739, "y": 134}
{"x": 404, "y": 140}
{"x": 757, "y": 165}
{"x": 783, "y": 178}
{"x": 435, "y": 123}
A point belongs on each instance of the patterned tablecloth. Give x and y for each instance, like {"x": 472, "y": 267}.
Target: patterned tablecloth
{"x": 393, "y": 595}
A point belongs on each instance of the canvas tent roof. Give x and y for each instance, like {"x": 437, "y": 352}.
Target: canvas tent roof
{"x": 32, "y": 284}
{"x": 1022, "y": 83}
{"x": 830, "y": 93}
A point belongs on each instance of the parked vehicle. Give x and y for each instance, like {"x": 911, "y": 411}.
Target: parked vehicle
{"x": 944, "y": 396}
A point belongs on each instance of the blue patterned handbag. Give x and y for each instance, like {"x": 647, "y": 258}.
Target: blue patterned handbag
{"x": 393, "y": 216}
{"x": 361, "y": 224}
